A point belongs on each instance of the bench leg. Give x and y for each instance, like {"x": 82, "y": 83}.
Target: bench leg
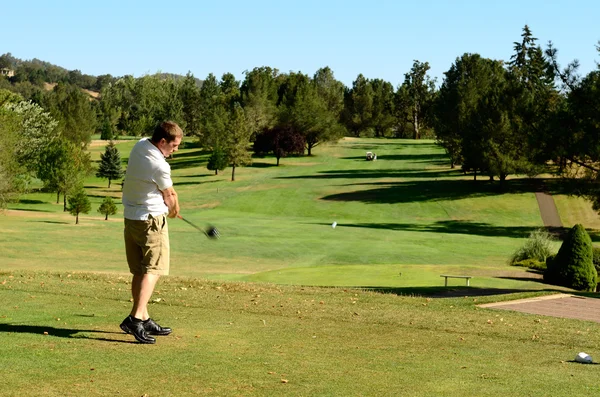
{"x": 468, "y": 280}
{"x": 445, "y": 281}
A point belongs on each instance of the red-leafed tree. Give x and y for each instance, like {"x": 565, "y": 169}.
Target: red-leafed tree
{"x": 279, "y": 140}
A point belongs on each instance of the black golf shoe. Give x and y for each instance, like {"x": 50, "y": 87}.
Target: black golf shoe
{"x": 154, "y": 329}
{"x": 136, "y": 328}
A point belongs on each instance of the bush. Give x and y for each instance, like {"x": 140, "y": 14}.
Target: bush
{"x": 596, "y": 258}
{"x": 573, "y": 265}
{"x": 538, "y": 246}
{"x": 532, "y": 264}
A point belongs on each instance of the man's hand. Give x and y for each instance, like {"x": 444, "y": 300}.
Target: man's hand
{"x": 172, "y": 202}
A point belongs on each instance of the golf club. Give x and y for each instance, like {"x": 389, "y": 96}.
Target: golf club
{"x": 210, "y": 231}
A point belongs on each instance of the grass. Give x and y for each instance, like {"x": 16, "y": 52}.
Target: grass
{"x": 248, "y": 339}
{"x": 406, "y": 208}
{"x": 283, "y": 296}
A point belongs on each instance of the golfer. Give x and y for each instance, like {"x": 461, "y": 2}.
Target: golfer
{"x": 149, "y": 198}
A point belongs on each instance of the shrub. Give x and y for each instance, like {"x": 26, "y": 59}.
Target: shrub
{"x": 596, "y": 258}
{"x": 538, "y": 246}
{"x": 532, "y": 264}
{"x": 573, "y": 265}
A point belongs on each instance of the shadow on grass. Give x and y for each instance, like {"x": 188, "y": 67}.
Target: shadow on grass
{"x": 30, "y": 210}
{"x": 190, "y": 153}
{"x": 449, "y": 227}
{"x": 259, "y": 164}
{"x": 445, "y": 292}
{"x": 59, "y": 332}
{"x": 430, "y": 190}
{"x": 375, "y": 174}
{"x": 28, "y": 201}
{"x": 194, "y": 183}
{"x": 53, "y": 222}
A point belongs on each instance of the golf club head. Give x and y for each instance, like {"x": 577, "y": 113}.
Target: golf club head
{"x": 212, "y": 232}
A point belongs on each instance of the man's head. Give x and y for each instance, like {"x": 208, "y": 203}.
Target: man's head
{"x": 167, "y": 137}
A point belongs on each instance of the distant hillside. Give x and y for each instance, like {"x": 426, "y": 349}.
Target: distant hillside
{"x": 44, "y": 74}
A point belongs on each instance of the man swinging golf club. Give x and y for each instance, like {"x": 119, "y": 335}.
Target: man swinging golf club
{"x": 149, "y": 198}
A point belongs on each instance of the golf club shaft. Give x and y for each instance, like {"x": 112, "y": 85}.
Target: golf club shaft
{"x": 193, "y": 225}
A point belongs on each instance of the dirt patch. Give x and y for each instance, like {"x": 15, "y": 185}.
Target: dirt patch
{"x": 102, "y": 142}
{"x": 25, "y": 214}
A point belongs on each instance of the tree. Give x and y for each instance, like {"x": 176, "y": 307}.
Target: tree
{"x": 463, "y": 86}
{"x": 330, "y": 90}
{"x": 575, "y": 142}
{"x": 213, "y": 113}
{"x": 110, "y": 164}
{"x": 382, "y": 115}
{"x": 358, "y": 106}
{"x": 108, "y": 207}
{"x": 534, "y": 98}
{"x": 217, "y": 160}
{"x": 73, "y": 110}
{"x": 79, "y": 203}
{"x": 572, "y": 266}
{"x": 303, "y": 110}
{"x": 416, "y": 95}
{"x": 11, "y": 169}
{"x": 259, "y": 97}
{"x": 279, "y": 140}
{"x": 63, "y": 166}
{"x": 190, "y": 97}
{"x": 37, "y": 130}
{"x": 239, "y": 131}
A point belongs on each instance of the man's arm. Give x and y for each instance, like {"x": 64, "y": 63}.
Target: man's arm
{"x": 172, "y": 202}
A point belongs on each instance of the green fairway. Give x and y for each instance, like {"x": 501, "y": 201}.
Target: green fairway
{"x": 406, "y": 208}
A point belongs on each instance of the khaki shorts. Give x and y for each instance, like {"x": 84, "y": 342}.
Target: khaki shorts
{"x": 147, "y": 245}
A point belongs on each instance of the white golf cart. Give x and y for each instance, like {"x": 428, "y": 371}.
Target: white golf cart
{"x": 371, "y": 156}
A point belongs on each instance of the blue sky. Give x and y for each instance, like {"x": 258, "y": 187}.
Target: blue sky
{"x": 379, "y": 39}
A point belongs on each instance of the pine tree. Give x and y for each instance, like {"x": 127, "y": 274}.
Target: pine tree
{"x": 238, "y": 139}
{"x": 79, "y": 203}
{"x": 110, "y": 164}
{"x": 217, "y": 161}
{"x": 108, "y": 207}
{"x": 573, "y": 265}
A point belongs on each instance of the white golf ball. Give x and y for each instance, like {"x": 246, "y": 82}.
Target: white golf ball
{"x": 584, "y": 358}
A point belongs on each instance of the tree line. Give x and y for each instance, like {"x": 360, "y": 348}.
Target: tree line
{"x": 493, "y": 118}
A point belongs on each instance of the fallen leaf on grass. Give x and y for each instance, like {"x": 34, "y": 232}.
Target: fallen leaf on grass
{"x": 284, "y": 381}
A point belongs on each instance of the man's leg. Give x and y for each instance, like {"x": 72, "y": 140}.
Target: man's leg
{"x": 142, "y": 287}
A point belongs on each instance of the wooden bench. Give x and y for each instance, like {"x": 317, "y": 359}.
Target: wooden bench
{"x": 446, "y": 277}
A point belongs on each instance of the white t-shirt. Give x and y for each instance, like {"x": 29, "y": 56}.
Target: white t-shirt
{"x": 148, "y": 174}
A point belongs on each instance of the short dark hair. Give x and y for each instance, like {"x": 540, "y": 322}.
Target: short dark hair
{"x": 168, "y": 130}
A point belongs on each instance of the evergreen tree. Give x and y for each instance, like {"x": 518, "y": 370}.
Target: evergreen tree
{"x": 110, "y": 164}
{"x": 573, "y": 265}
{"x": 190, "y": 97}
{"x": 79, "y": 203}
{"x": 239, "y": 131}
{"x": 108, "y": 207}
{"x": 416, "y": 95}
{"x": 217, "y": 160}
